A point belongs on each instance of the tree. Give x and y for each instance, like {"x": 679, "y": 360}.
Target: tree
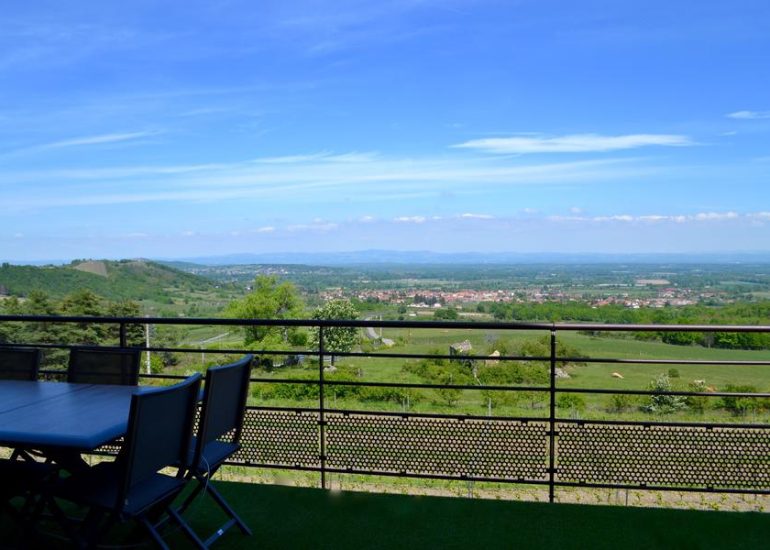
{"x": 336, "y": 339}
{"x": 447, "y": 314}
{"x": 662, "y": 403}
{"x": 269, "y": 300}
{"x": 134, "y": 332}
{"x": 85, "y": 303}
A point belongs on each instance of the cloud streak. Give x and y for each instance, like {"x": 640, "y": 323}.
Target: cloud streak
{"x": 359, "y": 178}
{"x": 749, "y": 115}
{"x": 85, "y": 141}
{"x": 574, "y": 143}
{"x": 661, "y": 218}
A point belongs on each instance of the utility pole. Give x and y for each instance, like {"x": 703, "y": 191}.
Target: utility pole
{"x": 148, "y": 364}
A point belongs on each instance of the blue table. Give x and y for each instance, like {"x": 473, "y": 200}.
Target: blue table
{"x": 59, "y": 415}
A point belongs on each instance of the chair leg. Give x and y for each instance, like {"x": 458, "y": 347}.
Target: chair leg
{"x": 174, "y": 515}
{"x": 144, "y": 522}
{"x": 226, "y": 507}
{"x": 191, "y": 497}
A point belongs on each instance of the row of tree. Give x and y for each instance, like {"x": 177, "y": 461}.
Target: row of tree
{"x": 80, "y": 303}
{"x": 755, "y": 313}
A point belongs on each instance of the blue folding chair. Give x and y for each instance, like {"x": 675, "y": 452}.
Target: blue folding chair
{"x": 132, "y": 488}
{"x": 219, "y": 434}
{"x": 19, "y": 363}
{"x": 118, "y": 366}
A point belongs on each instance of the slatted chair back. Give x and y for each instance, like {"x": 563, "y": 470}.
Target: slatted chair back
{"x": 119, "y": 366}
{"x": 224, "y": 403}
{"x": 19, "y": 363}
{"x": 159, "y": 432}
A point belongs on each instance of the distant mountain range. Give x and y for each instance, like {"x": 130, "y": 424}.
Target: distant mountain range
{"x": 467, "y": 258}
{"x": 425, "y": 257}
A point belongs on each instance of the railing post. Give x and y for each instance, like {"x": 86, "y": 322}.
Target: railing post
{"x": 552, "y": 420}
{"x": 321, "y": 416}
{"x": 123, "y": 335}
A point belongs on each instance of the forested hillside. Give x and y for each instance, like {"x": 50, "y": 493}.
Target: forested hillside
{"x": 116, "y": 280}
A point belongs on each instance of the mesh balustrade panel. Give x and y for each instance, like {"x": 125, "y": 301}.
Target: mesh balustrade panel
{"x": 695, "y": 457}
{"x": 285, "y": 438}
{"x": 496, "y": 449}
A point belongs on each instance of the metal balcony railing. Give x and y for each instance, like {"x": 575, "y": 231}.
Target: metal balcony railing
{"x": 551, "y": 450}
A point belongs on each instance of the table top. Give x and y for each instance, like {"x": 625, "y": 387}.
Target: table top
{"x": 62, "y": 415}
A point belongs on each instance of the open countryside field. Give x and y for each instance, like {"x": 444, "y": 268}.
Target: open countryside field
{"x": 586, "y": 375}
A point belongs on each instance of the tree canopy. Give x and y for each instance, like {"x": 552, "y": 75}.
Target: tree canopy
{"x": 269, "y": 299}
{"x": 336, "y": 339}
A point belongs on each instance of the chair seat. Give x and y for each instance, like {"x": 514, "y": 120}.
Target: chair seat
{"x": 99, "y": 485}
{"x": 213, "y": 454}
{"x": 19, "y": 476}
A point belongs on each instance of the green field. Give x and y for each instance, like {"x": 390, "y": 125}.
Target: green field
{"x": 587, "y": 375}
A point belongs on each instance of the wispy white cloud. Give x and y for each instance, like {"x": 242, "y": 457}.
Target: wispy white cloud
{"x": 329, "y": 178}
{"x": 85, "y": 141}
{"x": 96, "y": 140}
{"x": 749, "y": 115}
{"x": 469, "y": 216}
{"x": 410, "y": 219}
{"x": 266, "y": 229}
{"x": 575, "y": 143}
{"x": 658, "y": 218}
{"x": 325, "y": 156}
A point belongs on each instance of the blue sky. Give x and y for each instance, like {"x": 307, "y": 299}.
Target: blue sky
{"x": 172, "y": 129}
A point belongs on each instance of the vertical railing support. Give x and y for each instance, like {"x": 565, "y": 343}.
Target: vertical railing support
{"x": 552, "y": 420}
{"x": 321, "y": 415}
{"x": 123, "y": 335}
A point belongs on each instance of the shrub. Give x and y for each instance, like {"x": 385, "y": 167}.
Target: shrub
{"x": 571, "y": 401}
{"x": 620, "y": 402}
{"x": 663, "y": 404}
{"x": 740, "y": 405}
{"x": 697, "y": 403}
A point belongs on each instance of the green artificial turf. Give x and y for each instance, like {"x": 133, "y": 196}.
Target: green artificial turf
{"x": 296, "y": 518}
{"x": 284, "y": 517}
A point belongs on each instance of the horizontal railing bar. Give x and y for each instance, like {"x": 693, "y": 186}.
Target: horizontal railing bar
{"x": 438, "y": 476}
{"x": 313, "y": 382}
{"x": 358, "y": 412}
{"x": 403, "y": 414}
{"x": 684, "y": 488}
{"x": 164, "y": 376}
{"x": 331, "y": 382}
{"x": 460, "y": 325}
{"x": 387, "y": 473}
{"x": 646, "y": 423}
{"x": 279, "y": 409}
{"x": 653, "y": 392}
{"x": 630, "y": 361}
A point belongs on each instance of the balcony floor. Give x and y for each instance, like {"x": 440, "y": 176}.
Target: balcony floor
{"x": 289, "y": 517}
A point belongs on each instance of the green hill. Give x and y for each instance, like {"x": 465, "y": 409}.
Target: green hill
{"x": 115, "y": 280}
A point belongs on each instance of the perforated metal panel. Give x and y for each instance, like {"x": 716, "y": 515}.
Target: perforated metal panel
{"x": 280, "y": 437}
{"x": 664, "y": 455}
{"x": 508, "y": 450}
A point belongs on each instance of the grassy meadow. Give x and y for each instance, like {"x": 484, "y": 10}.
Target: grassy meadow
{"x": 586, "y": 375}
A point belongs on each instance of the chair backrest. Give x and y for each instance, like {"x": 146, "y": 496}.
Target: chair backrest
{"x": 119, "y": 366}
{"x": 224, "y": 403}
{"x": 159, "y": 432}
{"x": 19, "y": 363}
